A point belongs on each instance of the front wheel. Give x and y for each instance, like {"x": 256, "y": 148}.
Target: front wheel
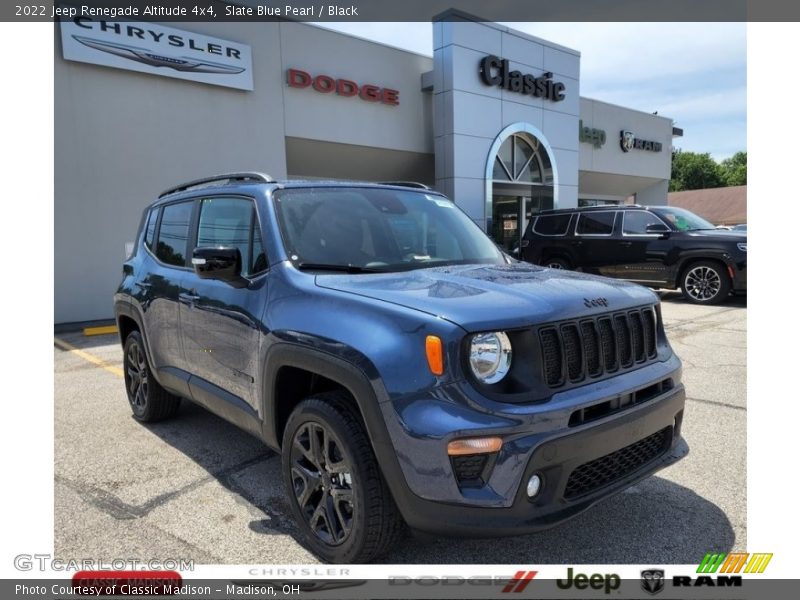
{"x": 336, "y": 490}
{"x": 705, "y": 282}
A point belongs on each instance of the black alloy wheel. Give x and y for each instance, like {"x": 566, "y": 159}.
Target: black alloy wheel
{"x": 322, "y": 482}
{"x": 337, "y": 493}
{"x": 149, "y": 401}
{"x": 136, "y": 377}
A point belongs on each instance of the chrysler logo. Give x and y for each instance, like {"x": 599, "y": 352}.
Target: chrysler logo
{"x": 157, "y": 60}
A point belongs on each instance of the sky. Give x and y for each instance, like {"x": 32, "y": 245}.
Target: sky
{"x": 694, "y": 73}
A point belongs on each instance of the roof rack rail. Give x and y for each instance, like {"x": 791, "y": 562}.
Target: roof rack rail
{"x": 244, "y": 176}
{"x": 411, "y": 184}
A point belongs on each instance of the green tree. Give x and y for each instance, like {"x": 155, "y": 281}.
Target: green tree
{"x": 694, "y": 171}
{"x": 734, "y": 169}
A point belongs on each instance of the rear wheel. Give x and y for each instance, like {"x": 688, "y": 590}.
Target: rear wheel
{"x": 336, "y": 490}
{"x": 557, "y": 263}
{"x": 705, "y": 282}
{"x": 149, "y": 401}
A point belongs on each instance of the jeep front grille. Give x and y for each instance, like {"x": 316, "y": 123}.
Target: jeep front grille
{"x": 589, "y": 348}
{"x": 612, "y": 467}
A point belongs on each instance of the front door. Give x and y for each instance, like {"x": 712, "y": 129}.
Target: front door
{"x": 220, "y": 321}
{"x": 643, "y": 256}
{"x": 596, "y": 241}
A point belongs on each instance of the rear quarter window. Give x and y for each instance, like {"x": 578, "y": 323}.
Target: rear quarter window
{"x": 150, "y": 228}
{"x": 552, "y": 224}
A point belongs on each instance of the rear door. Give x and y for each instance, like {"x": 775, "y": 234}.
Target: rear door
{"x": 158, "y": 291}
{"x": 546, "y": 238}
{"x": 221, "y": 322}
{"x": 597, "y": 242}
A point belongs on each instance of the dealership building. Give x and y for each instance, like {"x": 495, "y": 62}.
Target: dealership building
{"x": 494, "y": 120}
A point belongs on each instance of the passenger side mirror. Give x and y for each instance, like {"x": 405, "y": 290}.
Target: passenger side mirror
{"x": 222, "y": 263}
{"x": 658, "y": 228}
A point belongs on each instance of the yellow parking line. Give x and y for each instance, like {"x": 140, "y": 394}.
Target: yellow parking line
{"x": 105, "y": 330}
{"x": 88, "y": 357}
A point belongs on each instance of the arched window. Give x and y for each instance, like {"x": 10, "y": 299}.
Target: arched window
{"x": 520, "y": 181}
{"x": 521, "y": 159}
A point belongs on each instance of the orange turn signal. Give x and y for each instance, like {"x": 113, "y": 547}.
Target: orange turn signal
{"x": 485, "y": 445}
{"x": 433, "y": 350}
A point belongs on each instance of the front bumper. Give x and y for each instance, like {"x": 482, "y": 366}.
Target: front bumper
{"x": 537, "y": 439}
{"x": 739, "y": 282}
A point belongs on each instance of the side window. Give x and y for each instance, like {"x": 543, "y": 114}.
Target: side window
{"x": 232, "y": 222}
{"x": 173, "y": 233}
{"x": 595, "y": 223}
{"x": 552, "y": 224}
{"x": 150, "y": 228}
{"x": 635, "y": 222}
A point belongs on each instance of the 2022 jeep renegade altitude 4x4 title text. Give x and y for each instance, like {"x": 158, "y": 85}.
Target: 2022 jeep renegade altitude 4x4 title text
{"x": 405, "y": 368}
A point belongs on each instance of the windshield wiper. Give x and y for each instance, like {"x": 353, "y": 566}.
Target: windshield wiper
{"x": 307, "y": 266}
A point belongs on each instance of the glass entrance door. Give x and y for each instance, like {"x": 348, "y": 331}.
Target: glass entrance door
{"x": 507, "y": 221}
{"x": 512, "y": 209}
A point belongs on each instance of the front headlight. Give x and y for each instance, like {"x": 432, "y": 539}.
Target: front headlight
{"x": 490, "y": 356}
{"x": 742, "y": 246}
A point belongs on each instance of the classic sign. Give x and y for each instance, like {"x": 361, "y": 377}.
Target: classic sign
{"x": 496, "y": 71}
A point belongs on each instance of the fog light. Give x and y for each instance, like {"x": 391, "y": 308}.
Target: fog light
{"x": 534, "y": 485}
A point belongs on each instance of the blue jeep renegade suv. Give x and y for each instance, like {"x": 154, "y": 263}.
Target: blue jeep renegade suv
{"x": 406, "y": 370}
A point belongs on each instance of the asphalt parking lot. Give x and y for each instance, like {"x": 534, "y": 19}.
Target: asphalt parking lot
{"x": 198, "y": 488}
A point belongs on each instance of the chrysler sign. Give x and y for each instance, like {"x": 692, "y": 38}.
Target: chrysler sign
{"x": 159, "y": 50}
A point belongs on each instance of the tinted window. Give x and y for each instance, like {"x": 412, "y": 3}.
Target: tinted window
{"x": 596, "y": 223}
{"x": 636, "y": 222}
{"x": 552, "y": 224}
{"x": 150, "y": 228}
{"x": 378, "y": 229}
{"x": 173, "y": 233}
{"x": 231, "y": 222}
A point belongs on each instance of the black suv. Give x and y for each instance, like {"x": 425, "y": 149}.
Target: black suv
{"x": 405, "y": 369}
{"x": 657, "y": 246}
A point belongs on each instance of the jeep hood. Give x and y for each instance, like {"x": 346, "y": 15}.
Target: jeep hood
{"x": 481, "y": 297}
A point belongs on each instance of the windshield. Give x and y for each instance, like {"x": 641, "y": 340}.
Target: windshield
{"x": 682, "y": 219}
{"x": 375, "y": 229}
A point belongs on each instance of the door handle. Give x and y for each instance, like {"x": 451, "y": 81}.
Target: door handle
{"x": 188, "y": 298}
{"x": 626, "y": 244}
{"x": 577, "y": 243}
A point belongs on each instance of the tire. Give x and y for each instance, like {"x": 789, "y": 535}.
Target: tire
{"x": 149, "y": 401}
{"x": 705, "y": 282}
{"x": 336, "y": 491}
{"x": 557, "y": 263}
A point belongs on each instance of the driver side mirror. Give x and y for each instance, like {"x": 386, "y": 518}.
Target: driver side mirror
{"x": 223, "y": 263}
{"x": 658, "y": 228}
